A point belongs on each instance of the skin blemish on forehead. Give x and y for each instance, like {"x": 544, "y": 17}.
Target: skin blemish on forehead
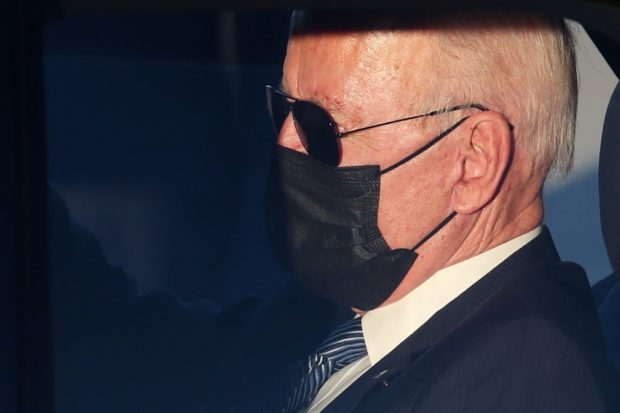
{"x": 318, "y": 68}
{"x": 360, "y": 79}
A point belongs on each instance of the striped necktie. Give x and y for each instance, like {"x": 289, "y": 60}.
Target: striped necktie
{"x": 343, "y": 346}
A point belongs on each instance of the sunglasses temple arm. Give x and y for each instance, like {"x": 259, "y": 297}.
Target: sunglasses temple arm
{"x": 433, "y": 113}
{"x": 424, "y": 148}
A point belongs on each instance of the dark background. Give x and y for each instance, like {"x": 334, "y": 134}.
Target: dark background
{"x": 159, "y": 140}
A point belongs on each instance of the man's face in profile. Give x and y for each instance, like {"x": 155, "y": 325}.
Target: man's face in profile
{"x": 494, "y": 152}
{"x": 364, "y": 79}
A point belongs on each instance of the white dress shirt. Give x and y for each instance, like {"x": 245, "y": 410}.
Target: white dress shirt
{"x": 386, "y": 327}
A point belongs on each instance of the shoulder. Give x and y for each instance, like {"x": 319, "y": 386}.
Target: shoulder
{"x": 533, "y": 346}
{"x": 527, "y": 364}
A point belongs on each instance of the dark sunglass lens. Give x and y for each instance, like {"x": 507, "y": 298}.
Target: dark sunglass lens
{"x": 279, "y": 108}
{"x": 317, "y": 133}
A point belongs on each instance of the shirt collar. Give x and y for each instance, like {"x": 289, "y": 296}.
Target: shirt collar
{"x": 386, "y": 327}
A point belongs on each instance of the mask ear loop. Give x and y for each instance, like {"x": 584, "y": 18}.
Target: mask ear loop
{"x": 413, "y": 155}
{"x": 424, "y": 148}
{"x": 434, "y": 231}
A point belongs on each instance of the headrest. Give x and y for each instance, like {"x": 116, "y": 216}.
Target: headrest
{"x": 609, "y": 180}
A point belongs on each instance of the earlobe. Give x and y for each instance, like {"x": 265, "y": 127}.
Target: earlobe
{"x": 485, "y": 155}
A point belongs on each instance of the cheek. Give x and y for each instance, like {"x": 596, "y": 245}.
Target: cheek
{"x": 414, "y": 200}
{"x": 401, "y": 208}
{"x": 375, "y": 147}
{"x": 362, "y": 150}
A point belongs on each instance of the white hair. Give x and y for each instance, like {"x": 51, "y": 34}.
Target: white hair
{"x": 522, "y": 66}
{"x": 519, "y": 64}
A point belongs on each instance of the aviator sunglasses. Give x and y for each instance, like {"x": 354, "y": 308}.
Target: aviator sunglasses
{"x": 320, "y": 134}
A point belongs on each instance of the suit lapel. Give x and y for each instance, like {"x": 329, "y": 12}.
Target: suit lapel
{"x": 538, "y": 252}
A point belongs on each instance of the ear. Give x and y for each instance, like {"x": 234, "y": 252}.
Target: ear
{"x": 484, "y": 158}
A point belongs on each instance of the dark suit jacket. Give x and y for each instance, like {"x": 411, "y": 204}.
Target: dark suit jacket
{"x": 607, "y": 297}
{"x": 525, "y": 338}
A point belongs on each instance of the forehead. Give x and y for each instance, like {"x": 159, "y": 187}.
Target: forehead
{"x": 351, "y": 68}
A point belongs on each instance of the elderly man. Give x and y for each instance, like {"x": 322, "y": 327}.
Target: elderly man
{"x": 407, "y": 185}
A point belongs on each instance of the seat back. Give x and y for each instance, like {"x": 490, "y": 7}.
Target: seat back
{"x": 609, "y": 179}
{"x": 607, "y": 291}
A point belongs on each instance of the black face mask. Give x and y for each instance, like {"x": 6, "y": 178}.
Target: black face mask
{"x": 322, "y": 222}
